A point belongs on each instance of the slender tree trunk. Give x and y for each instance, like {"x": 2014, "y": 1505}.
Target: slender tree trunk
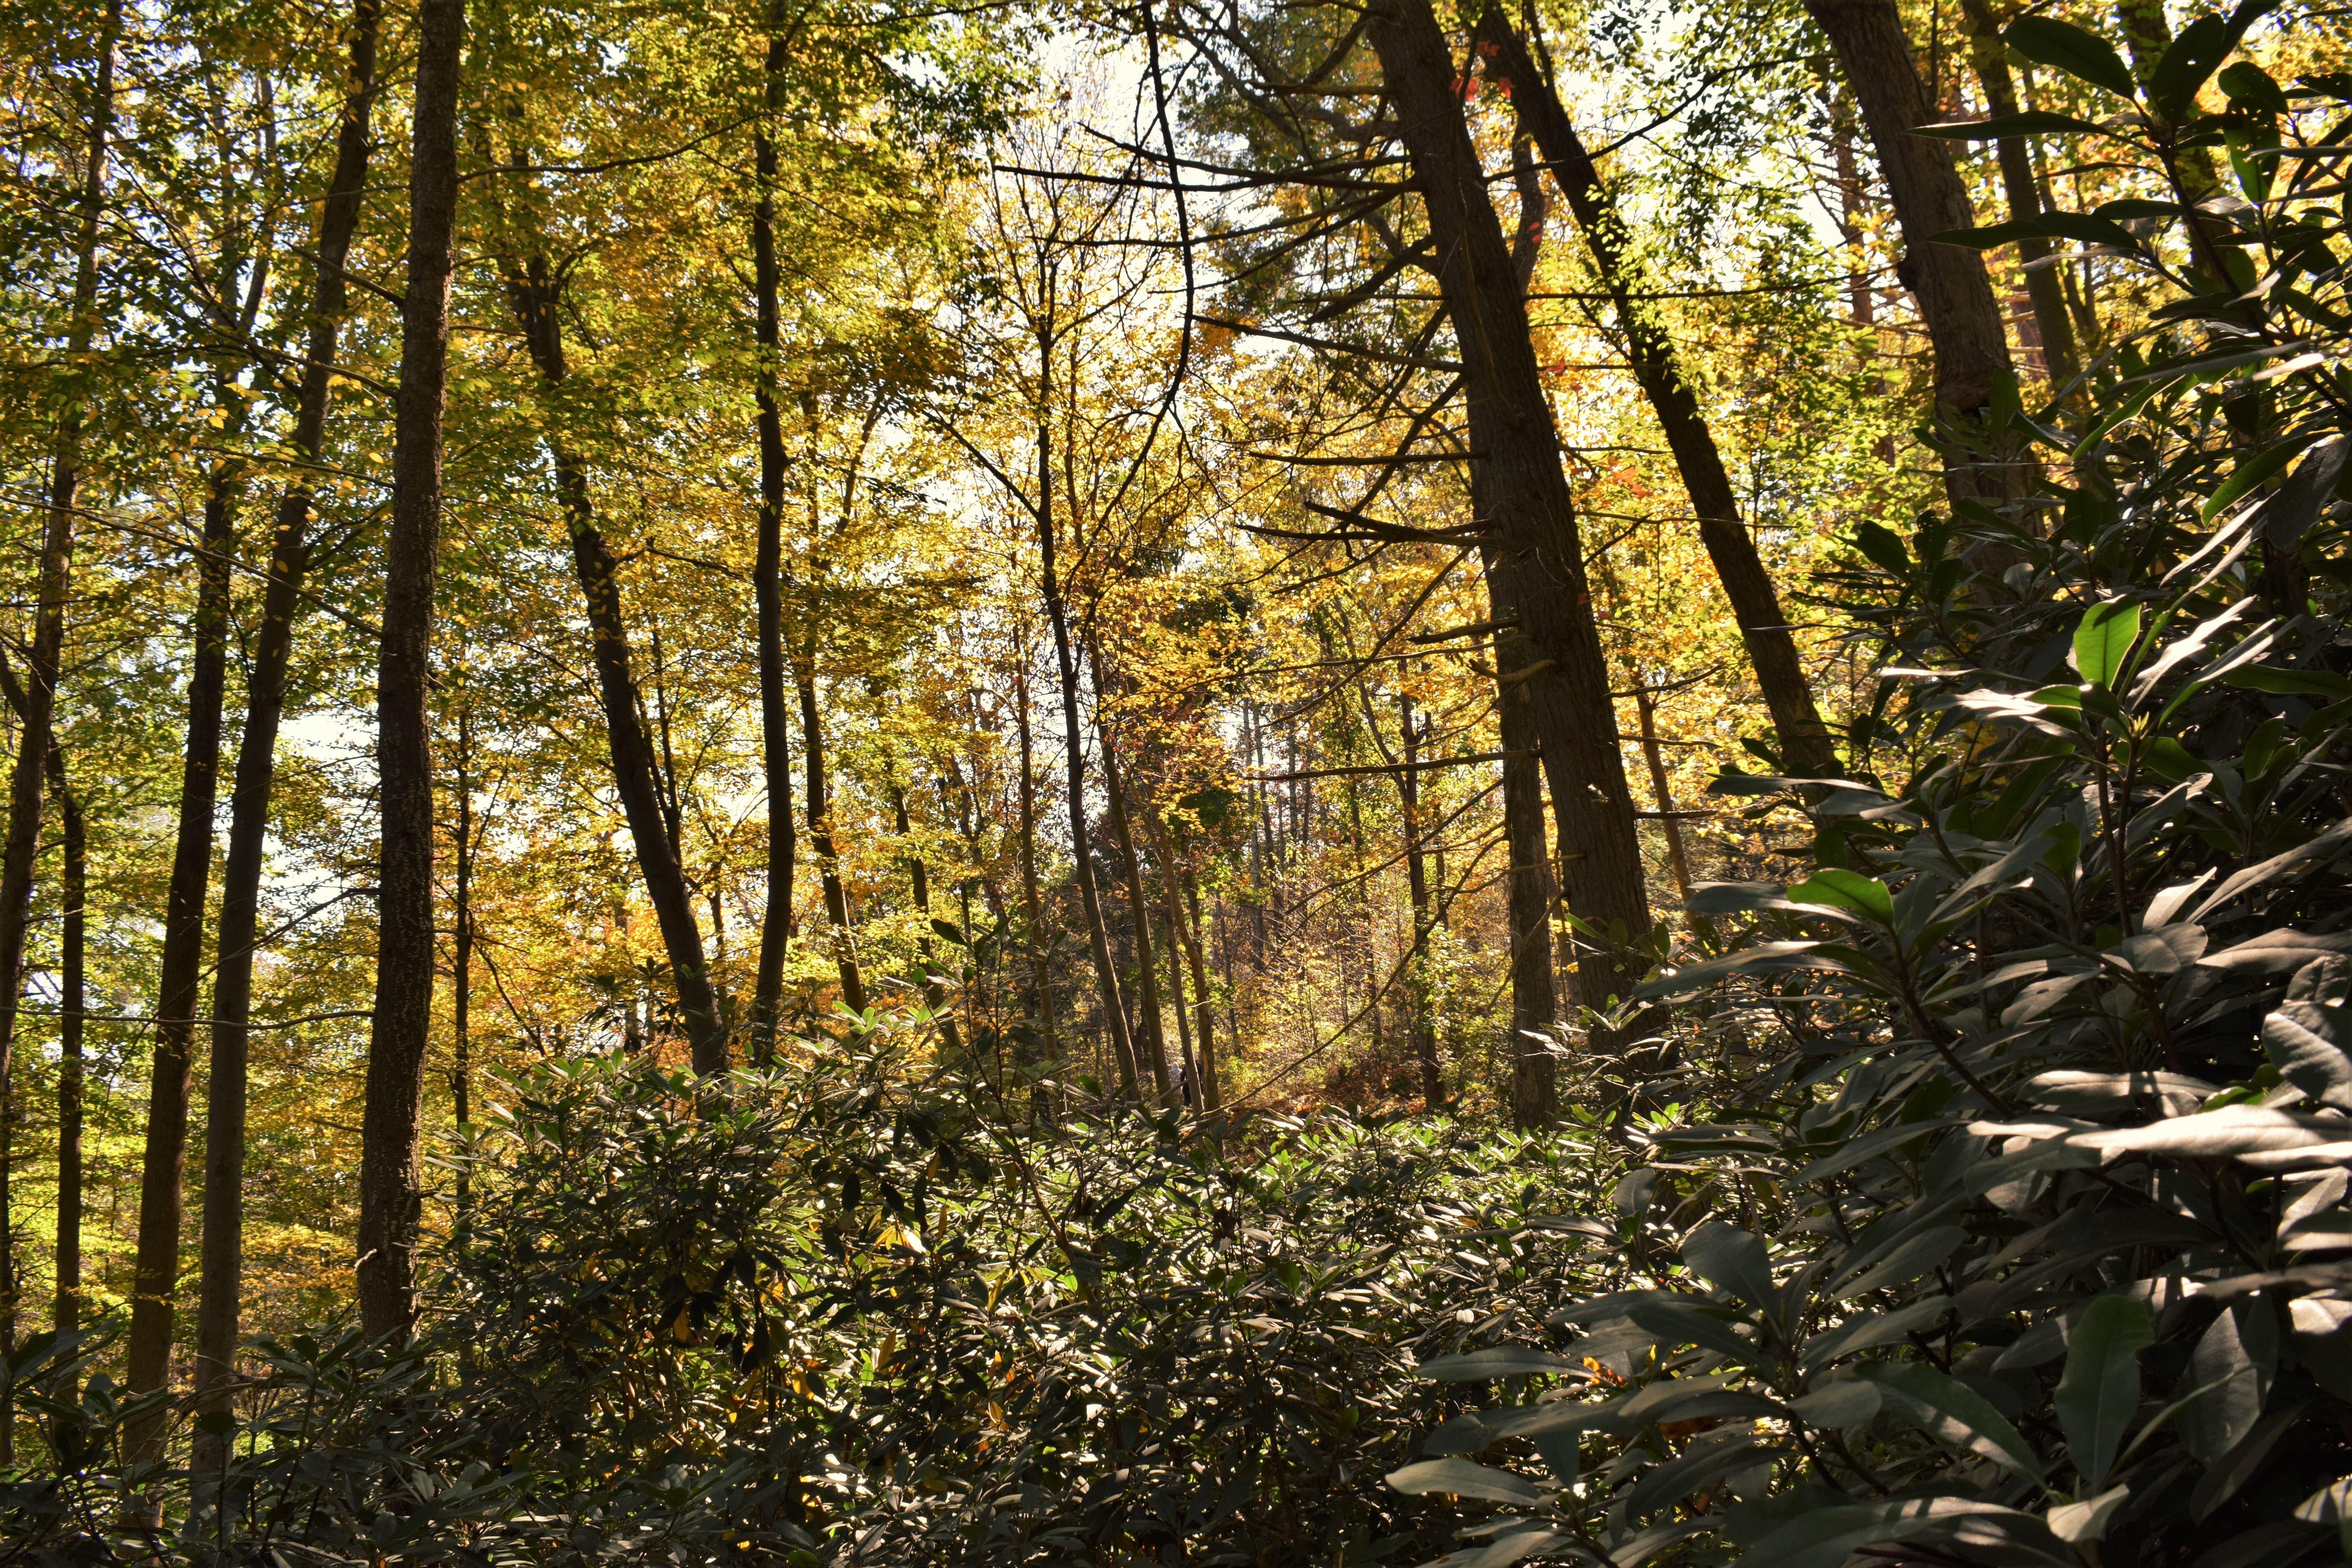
{"x": 1646, "y": 706}
{"x": 30, "y": 775}
{"x": 461, "y": 966}
{"x": 1956, "y": 299}
{"x": 1139, "y": 910}
{"x": 1535, "y": 1000}
{"x": 223, "y": 1259}
{"x": 767, "y": 588}
{"x": 820, "y": 823}
{"x": 1211, "y": 1094}
{"x": 162, "y": 1172}
{"x": 1416, "y": 879}
{"x": 919, "y": 878}
{"x": 2058, "y": 360}
{"x": 635, "y": 770}
{"x": 390, "y": 1183}
{"x": 1041, "y": 981}
{"x": 1090, "y": 899}
{"x": 1754, "y": 601}
{"x": 73, "y": 998}
{"x": 1533, "y": 518}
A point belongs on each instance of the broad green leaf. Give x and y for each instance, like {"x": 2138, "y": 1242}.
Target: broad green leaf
{"x": 1952, "y": 1412}
{"x": 1842, "y": 889}
{"x": 2303, "y": 1041}
{"x": 2104, "y": 640}
{"x": 1848, "y": 1402}
{"x": 1732, "y": 1259}
{"x": 1462, "y": 1478}
{"x": 2033, "y": 122}
{"x": 2195, "y": 52}
{"x": 2088, "y": 1520}
{"x": 2099, "y": 1392}
{"x": 1884, "y": 547}
{"x": 2279, "y": 682}
{"x": 1706, "y": 1461}
{"x": 1864, "y": 1330}
{"x": 1907, "y": 1262}
{"x": 1496, "y": 1360}
{"x": 1826, "y": 1537}
{"x": 2235, "y": 1384}
{"x": 2081, "y": 54}
{"x": 1676, "y": 1324}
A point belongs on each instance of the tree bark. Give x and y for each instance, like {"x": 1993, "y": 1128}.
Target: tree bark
{"x": 223, "y": 1257}
{"x": 1754, "y": 601}
{"x": 390, "y": 1183}
{"x": 2059, "y": 363}
{"x": 1212, "y": 1092}
{"x": 1954, "y": 296}
{"x": 1041, "y": 983}
{"x": 919, "y": 880}
{"x": 1416, "y": 880}
{"x": 30, "y": 775}
{"x": 820, "y": 824}
{"x": 461, "y": 963}
{"x": 532, "y": 292}
{"x": 1533, "y": 519}
{"x": 775, "y": 720}
{"x": 1154, "y": 1030}
{"x": 1535, "y": 999}
{"x": 72, "y": 995}
{"x": 1082, "y": 855}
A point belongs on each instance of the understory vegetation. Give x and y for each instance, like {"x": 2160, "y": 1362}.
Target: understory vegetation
{"x": 1149, "y": 1130}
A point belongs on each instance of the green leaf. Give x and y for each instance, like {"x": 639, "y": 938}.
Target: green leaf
{"x": 2251, "y": 86}
{"x": 1884, "y": 547}
{"x": 2236, "y": 1384}
{"x": 950, "y": 931}
{"x": 1676, "y": 1324}
{"x": 2081, "y": 54}
{"x": 1462, "y": 1478}
{"x": 2271, "y": 678}
{"x": 1732, "y": 1259}
{"x": 1849, "y": 1401}
{"x": 1864, "y": 1330}
{"x": 1496, "y": 1360}
{"x": 1841, "y": 888}
{"x": 2193, "y": 54}
{"x": 1907, "y": 1262}
{"x": 2099, "y": 1392}
{"x": 2302, "y": 1040}
{"x": 2104, "y": 640}
{"x": 2088, "y": 1520}
{"x": 1951, "y": 1412}
{"x": 1826, "y": 1537}
{"x": 2033, "y": 122}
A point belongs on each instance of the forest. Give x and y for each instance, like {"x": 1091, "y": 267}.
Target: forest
{"x": 1134, "y": 782}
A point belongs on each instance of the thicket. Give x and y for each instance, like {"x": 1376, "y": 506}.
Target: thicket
{"x": 1980, "y": 1197}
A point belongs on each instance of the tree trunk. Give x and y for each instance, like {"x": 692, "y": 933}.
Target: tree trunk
{"x": 1154, "y": 1031}
{"x": 390, "y": 1183}
{"x": 30, "y": 775}
{"x": 1955, "y": 300}
{"x": 1040, "y": 982}
{"x": 1533, "y": 517}
{"x": 1535, "y": 999}
{"x": 1416, "y": 879}
{"x": 461, "y": 964}
{"x": 72, "y": 996}
{"x": 1646, "y": 706}
{"x": 1211, "y": 1094}
{"x": 636, "y": 779}
{"x": 1082, "y": 855}
{"x": 2059, "y": 363}
{"x": 223, "y": 1259}
{"x": 820, "y": 823}
{"x": 919, "y": 878}
{"x": 767, "y": 566}
{"x": 1754, "y": 601}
